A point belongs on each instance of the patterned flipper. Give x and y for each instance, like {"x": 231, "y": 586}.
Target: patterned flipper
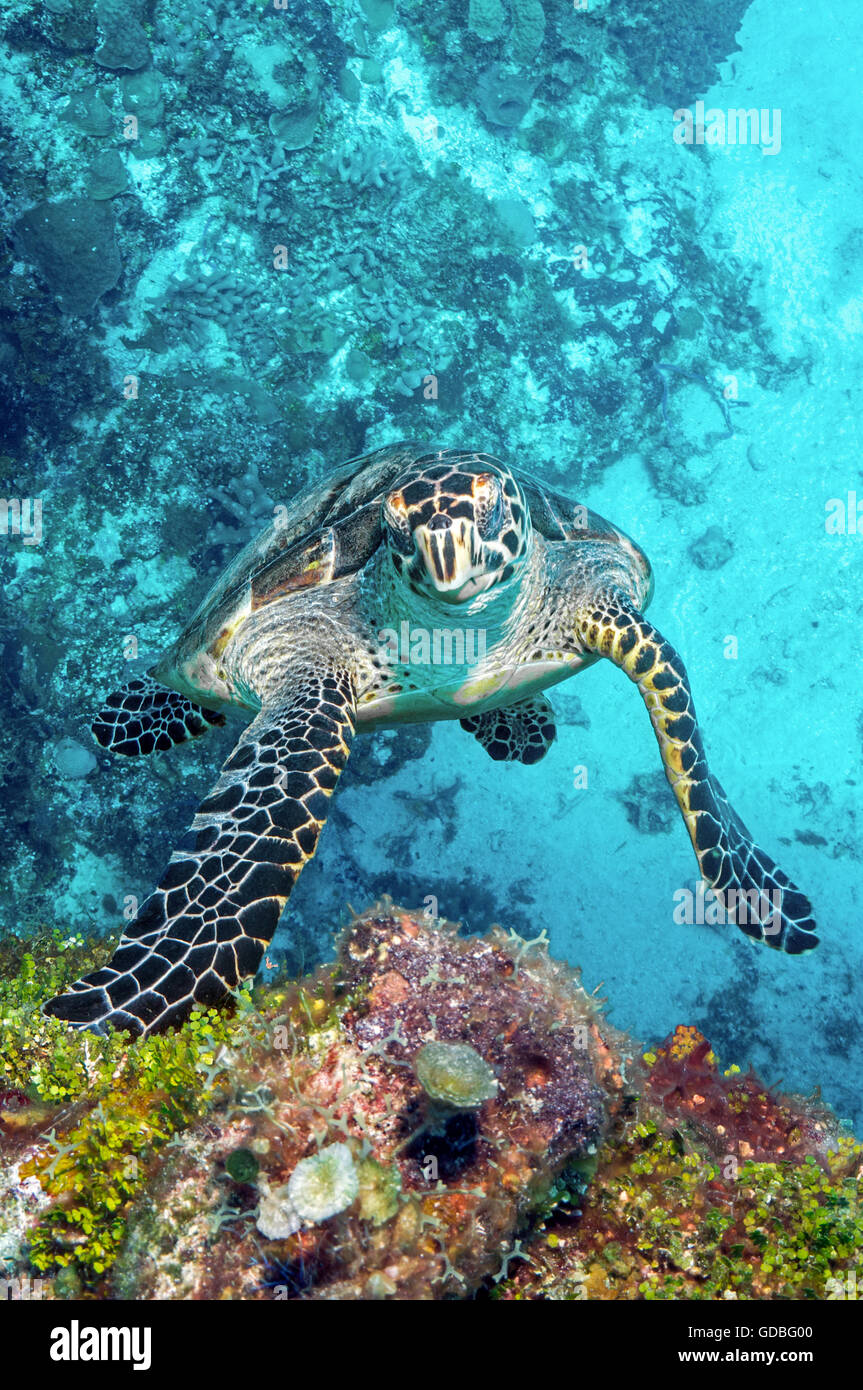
{"x": 774, "y": 910}
{"x": 206, "y": 926}
{"x": 145, "y": 717}
{"x": 522, "y": 733}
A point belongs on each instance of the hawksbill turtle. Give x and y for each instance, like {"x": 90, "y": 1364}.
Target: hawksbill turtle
{"x": 303, "y": 631}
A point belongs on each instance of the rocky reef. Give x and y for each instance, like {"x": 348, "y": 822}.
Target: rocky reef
{"x": 429, "y": 1115}
{"x": 717, "y": 1187}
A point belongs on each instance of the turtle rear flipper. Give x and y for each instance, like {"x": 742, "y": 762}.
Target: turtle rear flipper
{"x": 522, "y": 732}
{"x": 145, "y": 717}
{"x": 754, "y": 891}
{"x": 206, "y": 926}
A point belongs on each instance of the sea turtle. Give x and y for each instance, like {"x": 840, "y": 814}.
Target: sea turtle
{"x": 415, "y": 583}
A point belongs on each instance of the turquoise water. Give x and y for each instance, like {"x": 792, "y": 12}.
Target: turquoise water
{"x": 248, "y": 242}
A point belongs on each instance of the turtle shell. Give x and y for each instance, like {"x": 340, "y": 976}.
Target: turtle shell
{"x": 558, "y": 518}
{"x": 289, "y": 551}
{"x": 331, "y": 529}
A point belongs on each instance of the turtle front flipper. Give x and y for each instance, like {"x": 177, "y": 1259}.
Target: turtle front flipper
{"x": 146, "y": 717}
{"x": 522, "y": 732}
{"x": 755, "y": 893}
{"x": 206, "y": 926}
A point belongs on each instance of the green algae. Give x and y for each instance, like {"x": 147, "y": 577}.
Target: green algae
{"x": 106, "y": 1107}
{"x": 662, "y": 1221}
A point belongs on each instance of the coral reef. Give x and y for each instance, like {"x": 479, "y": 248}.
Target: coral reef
{"x": 124, "y": 41}
{"x": 107, "y": 176}
{"x": 716, "y": 1188}
{"x": 334, "y": 1110}
{"x": 246, "y": 500}
{"x": 503, "y": 98}
{"x": 370, "y": 165}
{"x": 677, "y": 62}
{"x": 487, "y": 19}
{"x": 428, "y": 1116}
{"x": 72, "y": 245}
{"x": 316, "y": 1156}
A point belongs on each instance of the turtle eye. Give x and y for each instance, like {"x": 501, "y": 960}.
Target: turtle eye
{"x": 485, "y": 488}
{"x": 488, "y": 502}
{"x": 398, "y": 525}
{"x": 396, "y": 504}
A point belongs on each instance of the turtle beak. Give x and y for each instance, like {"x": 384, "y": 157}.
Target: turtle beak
{"x": 451, "y": 554}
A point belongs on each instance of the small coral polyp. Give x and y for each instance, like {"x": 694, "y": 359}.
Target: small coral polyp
{"x": 324, "y": 1184}
{"x": 454, "y": 1075}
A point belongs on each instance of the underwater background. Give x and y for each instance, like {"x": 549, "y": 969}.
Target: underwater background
{"x": 245, "y": 242}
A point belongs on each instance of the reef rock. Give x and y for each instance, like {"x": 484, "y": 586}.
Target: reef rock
{"x": 339, "y": 1088}
{"x": 71, "y": 243}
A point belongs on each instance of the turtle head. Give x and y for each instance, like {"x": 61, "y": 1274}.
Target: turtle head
{"x": 455, "y": 530}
